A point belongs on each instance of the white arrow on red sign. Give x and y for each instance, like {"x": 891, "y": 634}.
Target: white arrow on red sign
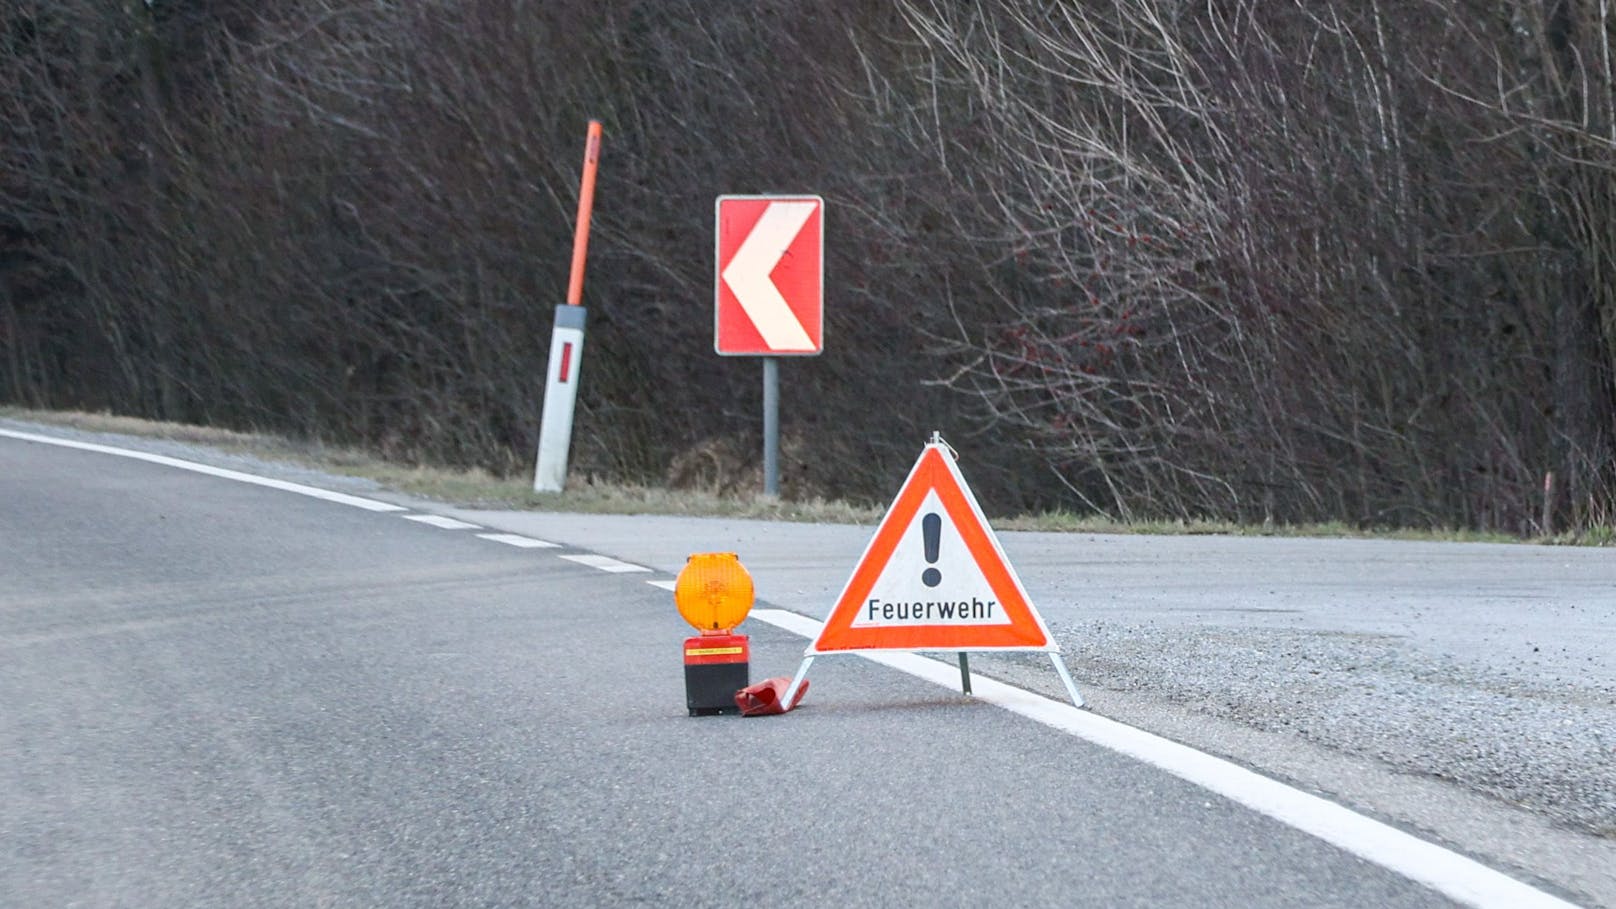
{"x": 770, "y": 275}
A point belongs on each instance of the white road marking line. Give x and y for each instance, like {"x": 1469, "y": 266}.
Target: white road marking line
{"x": 1464, "y": 879}
{"x": 604, "y": 563}
{"x": 665, "y": 585}
{"x": 438, "y": 520}
{"x": 519, "y": 541}
{"x": 220, "y": 472}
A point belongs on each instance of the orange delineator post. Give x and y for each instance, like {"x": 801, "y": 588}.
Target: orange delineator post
{"x": 586, "y": 206}
{"x": 567, "y": 341}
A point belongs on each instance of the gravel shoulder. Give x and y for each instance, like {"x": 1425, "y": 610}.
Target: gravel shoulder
{"x": 1547, "y": 744}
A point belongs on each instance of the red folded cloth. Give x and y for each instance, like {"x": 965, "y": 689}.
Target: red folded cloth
{"x": 763, "y": 699}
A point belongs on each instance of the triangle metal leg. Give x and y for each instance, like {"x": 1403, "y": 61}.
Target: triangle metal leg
{"x": 796, "y": 680}
{"x": 1071, "y": 686}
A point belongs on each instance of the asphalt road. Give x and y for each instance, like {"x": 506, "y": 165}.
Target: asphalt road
{"x": 218, "y": 694}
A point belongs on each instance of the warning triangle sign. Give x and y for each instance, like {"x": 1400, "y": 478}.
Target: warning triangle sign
{"x": 934, "y": 576}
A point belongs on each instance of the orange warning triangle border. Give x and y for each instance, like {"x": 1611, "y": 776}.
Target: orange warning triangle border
{"x": 935, "y": 471}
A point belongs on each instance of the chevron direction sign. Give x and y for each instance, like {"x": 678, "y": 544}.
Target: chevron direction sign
{"x": 769, "y": 276}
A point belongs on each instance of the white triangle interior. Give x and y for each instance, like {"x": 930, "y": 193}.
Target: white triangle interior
{"x": 901, "y": 596}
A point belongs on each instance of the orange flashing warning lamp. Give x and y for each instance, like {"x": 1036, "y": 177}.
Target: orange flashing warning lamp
{"x": 714, "y": 592}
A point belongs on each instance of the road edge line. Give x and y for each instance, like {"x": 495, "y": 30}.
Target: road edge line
{"x": 313, "y": 492}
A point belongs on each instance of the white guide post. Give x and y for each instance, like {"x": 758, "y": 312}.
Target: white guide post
{"x": 567, "y": 340}
{"x": 560, "y": 396}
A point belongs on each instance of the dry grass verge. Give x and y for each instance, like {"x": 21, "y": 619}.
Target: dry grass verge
{"x": 478, "y": 488}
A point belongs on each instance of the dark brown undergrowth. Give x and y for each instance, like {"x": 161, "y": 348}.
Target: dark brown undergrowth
{"x": 1348, "y": 260}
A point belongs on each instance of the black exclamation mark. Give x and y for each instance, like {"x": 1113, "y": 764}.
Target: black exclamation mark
{"x": 931, "y": 527}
